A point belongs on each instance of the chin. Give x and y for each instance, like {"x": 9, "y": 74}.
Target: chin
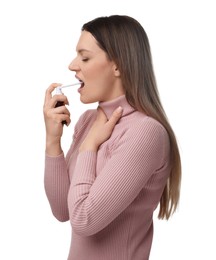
{"x": 86, "y": 100}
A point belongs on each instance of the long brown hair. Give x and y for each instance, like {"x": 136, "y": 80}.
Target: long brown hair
{"x": 126, "y": 43}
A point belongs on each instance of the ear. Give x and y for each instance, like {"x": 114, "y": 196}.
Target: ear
{"x": 116, "y": 71}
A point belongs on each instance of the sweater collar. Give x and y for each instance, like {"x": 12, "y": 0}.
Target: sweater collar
{"x": 109, "y": 106}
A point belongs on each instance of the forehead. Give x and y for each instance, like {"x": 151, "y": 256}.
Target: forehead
{"x": 87, "y": 42}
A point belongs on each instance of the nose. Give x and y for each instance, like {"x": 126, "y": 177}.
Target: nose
{"x": 73, "y": 66}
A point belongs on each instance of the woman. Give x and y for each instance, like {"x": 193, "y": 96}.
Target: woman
{"x": 124, "y": 158}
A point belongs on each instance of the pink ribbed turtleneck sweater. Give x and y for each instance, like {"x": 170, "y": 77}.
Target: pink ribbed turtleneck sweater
{"x": 110, "y": 196}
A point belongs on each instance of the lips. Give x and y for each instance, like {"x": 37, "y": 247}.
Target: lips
{"x": 81, "y": 86}
{"x": 82, "y": 83}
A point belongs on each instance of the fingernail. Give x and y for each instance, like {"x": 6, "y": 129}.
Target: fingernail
{"x": 119, "y": 109}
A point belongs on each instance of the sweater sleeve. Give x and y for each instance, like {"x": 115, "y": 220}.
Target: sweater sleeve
{"x": 94, "y": 202}
{"x": 56, "y": 183}
{"x": 56, "y": 176}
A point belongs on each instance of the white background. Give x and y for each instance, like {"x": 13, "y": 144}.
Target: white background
{"x": 38, "y": 40}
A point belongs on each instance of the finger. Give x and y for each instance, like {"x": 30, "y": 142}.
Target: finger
{"x": 59, "y": 98}
{"x": 101, "y": 116}
{"x": 65, "y": 115}
{"x": 66, "y": 120}
{"x": 49, "y": 90}
{"x": 55, "y": 99}
{"x": 62, "y": 110}
{"x": 55, "y": 112}
{"x": 116, "y": 115}
{"x": 60, "y": 117}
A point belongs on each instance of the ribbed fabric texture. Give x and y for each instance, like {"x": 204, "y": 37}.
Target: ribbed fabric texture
{"x": 110, "y": 196}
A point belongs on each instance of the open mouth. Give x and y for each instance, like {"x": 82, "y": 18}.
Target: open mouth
{"x": 82, "y": 83}
{"x": 81, "y": 86}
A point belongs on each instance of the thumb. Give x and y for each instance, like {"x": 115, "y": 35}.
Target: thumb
{"x": 116, "y": 115}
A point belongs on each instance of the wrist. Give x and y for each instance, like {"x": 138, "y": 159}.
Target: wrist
{"x": 53, "y": 146}
{"x": 88, "y": 147}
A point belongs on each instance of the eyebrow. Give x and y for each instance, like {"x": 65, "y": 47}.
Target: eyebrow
{"x": 83, "y": 50}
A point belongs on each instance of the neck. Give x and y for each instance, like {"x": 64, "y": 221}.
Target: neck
{"x": 109, "y": 106}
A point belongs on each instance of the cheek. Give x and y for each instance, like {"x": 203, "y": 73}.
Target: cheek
{"x": 97, "y": 70}
{"x": 99, "y": 80}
